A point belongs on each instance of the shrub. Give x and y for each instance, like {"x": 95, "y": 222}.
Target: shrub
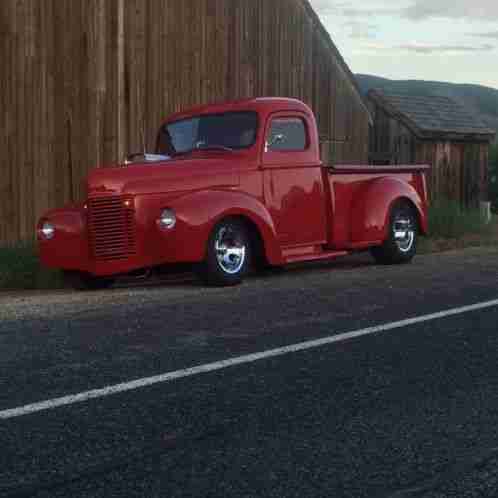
{"x": 448, "y": 220}
{"x": 20, "y": 269}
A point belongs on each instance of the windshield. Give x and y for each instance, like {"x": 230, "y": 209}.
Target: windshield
{"x": 229, "y": 131}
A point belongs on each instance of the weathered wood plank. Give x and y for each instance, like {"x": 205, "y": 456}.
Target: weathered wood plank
{"x": 84, "y": 77}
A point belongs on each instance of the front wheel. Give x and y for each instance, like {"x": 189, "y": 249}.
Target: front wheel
{"x": 401, "y": 243}
{"x": 228, "y": 255}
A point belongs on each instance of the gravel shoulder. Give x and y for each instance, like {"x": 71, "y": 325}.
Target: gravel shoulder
{"x": 25, "y": 304}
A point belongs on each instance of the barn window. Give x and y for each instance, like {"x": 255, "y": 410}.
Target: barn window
{"x": 287, "y": 134}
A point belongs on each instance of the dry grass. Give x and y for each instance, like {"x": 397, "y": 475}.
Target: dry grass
{"x": 487, "y": 238}
{"x": 452, "y": 227}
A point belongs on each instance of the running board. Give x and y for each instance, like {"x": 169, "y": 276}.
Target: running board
{"x": 315, "y": 256}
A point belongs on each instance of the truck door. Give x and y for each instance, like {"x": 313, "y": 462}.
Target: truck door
{"x": 293, "y": 185}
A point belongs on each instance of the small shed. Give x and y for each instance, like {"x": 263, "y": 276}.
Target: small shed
{"x": 410, "y": 129}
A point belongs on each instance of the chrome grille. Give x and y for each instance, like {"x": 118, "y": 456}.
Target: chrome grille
{"x": 111, "y": 228}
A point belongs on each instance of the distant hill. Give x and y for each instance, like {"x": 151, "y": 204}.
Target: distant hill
{"x": 479, "y": 99}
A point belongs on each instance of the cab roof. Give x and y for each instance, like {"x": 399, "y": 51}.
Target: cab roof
{"x": 261, "y": 105}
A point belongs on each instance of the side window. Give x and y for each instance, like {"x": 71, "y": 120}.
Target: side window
{"x": 287, "y": 134}
{"x": 183, "y": 134}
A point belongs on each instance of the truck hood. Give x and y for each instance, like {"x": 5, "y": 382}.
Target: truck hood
{"x": 167, "y": 176}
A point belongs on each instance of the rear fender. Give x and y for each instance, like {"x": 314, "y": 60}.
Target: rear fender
{"x": 198, "y": 214}
{"x": 371, "y": 211}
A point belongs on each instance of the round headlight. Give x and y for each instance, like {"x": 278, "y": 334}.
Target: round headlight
{"x": 167, "y": 219}
{"x": 47, "y": 230}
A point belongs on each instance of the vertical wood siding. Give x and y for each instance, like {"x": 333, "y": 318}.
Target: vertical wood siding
{"x": 81, "y": 79}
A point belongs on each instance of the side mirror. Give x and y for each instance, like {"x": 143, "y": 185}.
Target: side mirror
{"x": 140, "y": 157}
{"x": 277, "y": 139}
{"x": 134, "y": 157}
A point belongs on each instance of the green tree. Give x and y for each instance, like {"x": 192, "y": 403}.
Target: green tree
{"x": 493, "y": 176}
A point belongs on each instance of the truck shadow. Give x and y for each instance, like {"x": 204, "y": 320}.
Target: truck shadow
{"x": 187, "y": 279}
{"x": 352, "y": 262}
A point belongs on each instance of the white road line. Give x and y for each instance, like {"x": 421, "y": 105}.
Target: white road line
{"x": 240, "y": 360}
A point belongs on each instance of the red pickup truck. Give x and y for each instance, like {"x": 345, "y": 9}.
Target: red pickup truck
{"x": 230, "y": 187}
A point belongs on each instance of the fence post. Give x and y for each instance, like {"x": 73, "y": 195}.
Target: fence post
{"x": 485, "y": 208}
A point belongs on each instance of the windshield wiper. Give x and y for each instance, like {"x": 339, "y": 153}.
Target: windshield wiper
{"x": 205, "y": 147}
{"x": 214, "y": 147}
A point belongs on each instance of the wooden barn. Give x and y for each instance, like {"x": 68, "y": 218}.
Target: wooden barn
{"x": 80, "y": 79}
{"x": 433, "y": 130}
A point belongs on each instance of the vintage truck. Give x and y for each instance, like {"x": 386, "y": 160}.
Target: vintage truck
{"x": 231, "y": 187}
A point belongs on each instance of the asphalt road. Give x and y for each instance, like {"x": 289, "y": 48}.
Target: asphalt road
{"x": 410, "y": 411}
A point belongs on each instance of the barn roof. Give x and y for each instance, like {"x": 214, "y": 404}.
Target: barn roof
{"x": 327, "y": 39}
{"x": 433, "y": 116}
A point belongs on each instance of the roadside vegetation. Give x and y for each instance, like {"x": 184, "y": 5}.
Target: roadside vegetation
{"x": 454, "y": 227}
{"x": 21, "y": 269}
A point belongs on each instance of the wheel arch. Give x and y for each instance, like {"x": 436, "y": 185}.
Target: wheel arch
{"x": 255, "y": 238}
{"x": 373, "y": 206}
{"x": 416, "y": 211}
{"x": 198, "y": 224}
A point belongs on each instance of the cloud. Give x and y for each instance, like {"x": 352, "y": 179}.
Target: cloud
{"x": 326, "y": 7}
{"x": 353, "y": 12}
{"x": 414, "y": 10}
{"x": 349, "y": 9}
{"x": 441, "y": 49}
{"x": 421, "y": 49}
{"x": 361, "y": 30}
{"x": 489, "y": 34}
{"x": 422, "y": 10}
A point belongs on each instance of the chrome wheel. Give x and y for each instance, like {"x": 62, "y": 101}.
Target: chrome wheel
{"x": 230, "y": 250}
{"x": 400, "y": 245}
{"x": 404, "y": 232}
{"x": 228, "y": 254}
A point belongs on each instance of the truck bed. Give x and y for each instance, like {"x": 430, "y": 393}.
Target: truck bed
{"x": 354, "y": 222}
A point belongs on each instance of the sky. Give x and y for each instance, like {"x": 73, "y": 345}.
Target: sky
{"x": 439, "y": 40}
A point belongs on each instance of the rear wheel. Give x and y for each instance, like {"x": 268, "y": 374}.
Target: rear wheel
{"x": 86, "y": 282}
{"x": 228, "y": 255}
{"x": 401, "y": 243}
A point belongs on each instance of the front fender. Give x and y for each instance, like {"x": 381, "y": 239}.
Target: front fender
{"x": 371, "y": 211}
{"x": 199, "y": 212}
{"x": 69, "y": 248}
